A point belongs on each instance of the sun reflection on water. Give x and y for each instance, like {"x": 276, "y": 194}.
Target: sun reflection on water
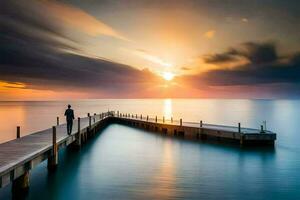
{"x": 167, "y": 109}
{"x": 165, "y": 179}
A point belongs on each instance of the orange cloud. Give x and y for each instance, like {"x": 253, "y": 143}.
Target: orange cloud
{"x": 19, "y": 91}
{"x": 81, "y": 20}
{"x": 6, "y": 85}
{"x": 210, "y": 34}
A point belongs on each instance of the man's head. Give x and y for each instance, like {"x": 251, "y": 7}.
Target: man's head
{"x": 69, "y": 106}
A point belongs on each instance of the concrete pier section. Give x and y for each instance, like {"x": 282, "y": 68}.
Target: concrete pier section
{"x": 189, "y": 130}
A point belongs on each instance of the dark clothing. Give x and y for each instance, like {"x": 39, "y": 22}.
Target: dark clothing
{"x": 69, "y": 113}
{"x": 69, "y": 126}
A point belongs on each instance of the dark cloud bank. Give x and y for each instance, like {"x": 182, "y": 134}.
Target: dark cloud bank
{"x": 264, "y": 69}
{"x": 34, "y": 51}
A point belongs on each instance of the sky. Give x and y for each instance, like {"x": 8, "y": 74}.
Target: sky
{"x": 74, "y": 49}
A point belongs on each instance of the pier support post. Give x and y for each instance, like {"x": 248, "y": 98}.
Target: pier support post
{"x": 239, "y": 127}
{"x": 262, "y": 129}
{"x": 94, "y": 117}
{"x": 136, "y": 116}
{"x": 241, "y": 139}
{"x": 155, "y": 119}
{"x": 90, "y": 121}
{"x": 18, "y": 132}
{"x": 57, "y": 121}
{"x": 141, "y": 116}
{"x": 147, "y": 117}
{"x": 180, "y": 122}
{"x": 53, "y": 158}
{"x": 171, "y": 119}
{"x": 78, "y": 135}
{"x": 201, "y": 124}
{"x": 163, "y": 119}
{"x": 20, "y": 186}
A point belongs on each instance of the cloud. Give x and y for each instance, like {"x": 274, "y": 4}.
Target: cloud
{"x": 220, "y": 58}
{"x": 256, "y": 53}
{"x": 210, "y": 34}
{"x": 34, "y": 56}
{"x": 245, "y": 20}
{"x": 264, "y": 66}
{"x": 154, "y": 59}
{"x": 264, "y": 69}
{"x": 81, "y": 20}
{"x": 185, "y": 68}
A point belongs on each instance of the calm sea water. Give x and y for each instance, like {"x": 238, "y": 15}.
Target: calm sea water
{"x": 126, "y": 163}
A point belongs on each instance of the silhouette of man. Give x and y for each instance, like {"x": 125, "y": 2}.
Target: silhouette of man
{"x": 69, "y": 113}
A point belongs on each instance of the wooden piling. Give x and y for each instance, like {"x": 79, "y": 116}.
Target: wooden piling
{"x": 239, "y": 127}
{"x": 78, "y": 135}
{"x": 155, "y": 119}
{"x": 262, "y": 129}
{"x": 180, "y": 122}
{"x": 18, "y": 131}
{"x": 163, "y": 119}
{"x": 201, "y": 124}
{"x": 20, "y": 186}
{"x": 57, "y": 121}
{"x": 171, "y": 119}
{"x": 53, "y": 158}
{"x": 147, "y": 117}
{"x": 241, "y": 139}
{"x": 90, "y": 121}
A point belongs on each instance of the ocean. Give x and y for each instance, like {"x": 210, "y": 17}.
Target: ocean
{"x": 127, "y": 163}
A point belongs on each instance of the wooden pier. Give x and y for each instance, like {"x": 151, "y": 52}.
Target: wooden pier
{"x": 19, "y": 156}
{"x": 200, "y": 130}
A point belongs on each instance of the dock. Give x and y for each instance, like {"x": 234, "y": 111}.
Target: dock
{"x": 19, "y": 156}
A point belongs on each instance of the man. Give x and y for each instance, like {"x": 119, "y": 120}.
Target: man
{"x": 69, "y": 113}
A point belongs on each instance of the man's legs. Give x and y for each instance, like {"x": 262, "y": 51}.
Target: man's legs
{"x": 71, "y": 126}
{"x": 68, "y": 127}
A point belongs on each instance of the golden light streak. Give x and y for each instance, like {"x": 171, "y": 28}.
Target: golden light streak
{"x": 154, "y": 59}
{"x": 82, "y": 21}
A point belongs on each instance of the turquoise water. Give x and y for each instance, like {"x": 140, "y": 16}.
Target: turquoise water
{"x": 126, "y": 163}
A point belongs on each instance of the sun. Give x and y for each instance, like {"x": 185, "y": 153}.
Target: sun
{"x": 168, "y": 76}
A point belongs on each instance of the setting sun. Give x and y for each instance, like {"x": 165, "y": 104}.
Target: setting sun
{"x": 168, "y": 76}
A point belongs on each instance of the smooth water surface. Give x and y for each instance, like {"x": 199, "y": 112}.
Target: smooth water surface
{"x": 126, "y": 163}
